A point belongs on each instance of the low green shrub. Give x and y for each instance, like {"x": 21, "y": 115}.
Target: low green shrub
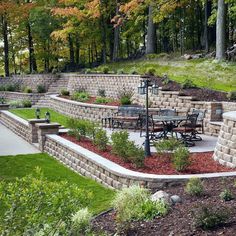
{"x": 105, "y": 69}
{"x": 126, "y": 149}
{"x": 41, "y": 88}
{"x": 232, "y": 95}
{"x": 80, "y": 96}
{"x": 194, "y": 187}
{"x": 26, "y": 103}
{"x": 36, "y": 206}
{"x": 150, "y": 71}
{"x": 125, "y": 96}
{"x": 188, "y": 84}
{"x": 101, "y": 93}
{"x": 65, "y": 92}
{"x": 210, "y": 216}
{"x": 133, "y": 71}
{"x": 167, "y": 145}
{"x": 134, "y": 204}
{"x": 102, "y": 100}
{"x": 2, "y": 88}
{"x": 11, "y": 87}
{"x": 101, "y": 139}
{"x": 181, "y": 158}
{"x": 88, "y": 71}
{"x": 2, "y": 100}
{"x": 226, "y": 195}
{"x": 120, "y": 72}
{"x": 27, "y": 90}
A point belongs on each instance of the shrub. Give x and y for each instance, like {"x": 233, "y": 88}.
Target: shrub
{"x": 194, "y": 187}
{"x": 188, "y": 84}
{"x": 2, "y": 100}
{"x": 125, "y": 96}
{"x": 102, "y": 100}
{"x": 2, "y": 88}
{"x": 41, "y": 88}
{"x": 11, "y": 87}
{"x": 165, "y": 79}
{"x": 134, "y": 204}
{"x": 15, "y": 104}
{"x": 105, "y": 69}
{"x": 26, "y": 103}
{"x": 36, "y": 206}
{"x": 81, "y": 221}
{"x": 65, "y": 92}
{"x": 126, "y": 149}
{"x": 27, "y": 90}
{"x": 231, "y": 95}
{"x": 101, "y": 139}
{"x": 119, "y": 143}
{"x": 80, "y": 96}
{"x": 150, "y": 71}
{"x": 181, "y": 159}
{"x": 101, "y": 93}
{"x": 226, "y": 195}
{"x": 88, "y": 71}
{"x": 120, "y": 72}
{"x": 209, "y": 217}
{"x": 167, "y": 145}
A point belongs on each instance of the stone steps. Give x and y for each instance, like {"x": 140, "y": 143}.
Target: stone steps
{"x": 58, "y": 85}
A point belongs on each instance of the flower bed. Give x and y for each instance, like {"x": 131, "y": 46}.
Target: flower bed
{"x": 200, "y": 162}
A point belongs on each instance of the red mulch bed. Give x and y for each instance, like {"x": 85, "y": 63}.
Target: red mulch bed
{"x": 200, "y": 162}
{"x": 93, "y": 99}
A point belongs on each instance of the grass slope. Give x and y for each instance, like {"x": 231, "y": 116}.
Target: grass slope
{"x": 29, "y": 113}
{"x": 21, "y": 165}
{"x": 204, "y": 73}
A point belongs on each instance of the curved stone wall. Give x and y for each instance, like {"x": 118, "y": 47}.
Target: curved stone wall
{"x": 225, "y": 151}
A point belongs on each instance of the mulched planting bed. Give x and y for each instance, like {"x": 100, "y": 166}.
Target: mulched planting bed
{"x": 201, "y": 94}
{"x": 200, "y": 162}
{"x": 180, "y": 221}
{"x": 93, "y": 99}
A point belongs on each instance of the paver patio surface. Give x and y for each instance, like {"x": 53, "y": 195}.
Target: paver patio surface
{"x": 11, "y": 144}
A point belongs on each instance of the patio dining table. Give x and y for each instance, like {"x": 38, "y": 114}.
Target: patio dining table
{"x": 169, "y": 122}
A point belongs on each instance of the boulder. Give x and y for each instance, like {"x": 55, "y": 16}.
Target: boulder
{"x": 161, "y": 195}
{"x": 175, "y": 199}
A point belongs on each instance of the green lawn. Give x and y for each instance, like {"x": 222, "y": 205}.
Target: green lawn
{"x": 29, "y": 113}
{"x": 21, "y": 165}
{"x": 204, "y": 73}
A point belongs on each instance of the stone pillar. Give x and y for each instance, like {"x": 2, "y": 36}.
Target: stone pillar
{"x": 4, "y": 107}
{"x": 43, "y": 130}
{"x": 34, "y": 129}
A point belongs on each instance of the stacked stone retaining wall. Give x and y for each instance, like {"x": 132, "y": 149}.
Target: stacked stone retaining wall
{"x": 225, "y": 151}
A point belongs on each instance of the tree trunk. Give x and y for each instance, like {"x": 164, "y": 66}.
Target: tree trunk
{"x": 116, "y": 36}
{"x": 221, "y": 30}
{"x": 207, "y": 12}
{"x": 32, "y": 60}
{"x": 77, "y": 50}
{"x": 151, "y": 33}
{"x": 71, "y": 47}
{"x": 6, "y": 45}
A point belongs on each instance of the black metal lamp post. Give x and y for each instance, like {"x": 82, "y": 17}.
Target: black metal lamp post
{"x": 37, "y": 113}
{"x": 143, "y": 90}
{"x": 47, "y": 116}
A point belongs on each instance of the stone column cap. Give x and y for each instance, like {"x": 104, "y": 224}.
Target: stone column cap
{"x": 34, "y": 121}
{"x": 230, "y": 115}
{"x": 48, "y": 125}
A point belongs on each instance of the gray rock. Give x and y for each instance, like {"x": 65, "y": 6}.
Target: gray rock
{"x": 161, "y": 195}
{"x": 175, "y": 199}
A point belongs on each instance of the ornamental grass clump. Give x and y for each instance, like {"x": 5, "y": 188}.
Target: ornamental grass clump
{"x": 226, "y": 195}
{"x": 167, "y": 145}
{"x": 194, "y": 187}
{"x": 134, "y": 203}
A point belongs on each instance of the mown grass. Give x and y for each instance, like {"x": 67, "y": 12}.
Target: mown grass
{"x": 21, "y": 165}
{"x": 29, "y": 113}
{"x": 204, "y": 73}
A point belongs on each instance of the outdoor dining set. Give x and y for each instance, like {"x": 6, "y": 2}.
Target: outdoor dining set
{"x": 162, "y": 123}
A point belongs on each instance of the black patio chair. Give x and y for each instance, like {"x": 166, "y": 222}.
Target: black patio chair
{"x": 200, "y": 118}
{"x": 188, "y": 130}
{"x": 167, "y": 112}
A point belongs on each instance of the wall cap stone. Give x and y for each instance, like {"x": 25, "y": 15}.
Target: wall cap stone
{"x": 17, "y": 118}
{"x": 230, "y": 115}
{"x": 48, "y": 125}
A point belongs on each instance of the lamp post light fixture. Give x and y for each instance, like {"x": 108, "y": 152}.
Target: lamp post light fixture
{"x": 47, "y": 117}
{"x": 37, "y": 113}
{"x": 143, "y": 89}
